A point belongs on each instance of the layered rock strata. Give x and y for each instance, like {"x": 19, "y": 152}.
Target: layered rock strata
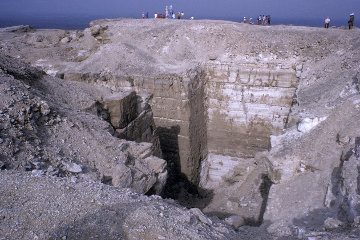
{"x": 222, "y": 94}
{"x": 46, "y": 128}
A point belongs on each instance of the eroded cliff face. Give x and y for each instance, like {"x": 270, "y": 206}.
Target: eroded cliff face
{"x": 246, "y": 103}
{"x": 245, "y": 112}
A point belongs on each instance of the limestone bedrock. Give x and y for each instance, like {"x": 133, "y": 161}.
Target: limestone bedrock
{"x": 226, "y": 101}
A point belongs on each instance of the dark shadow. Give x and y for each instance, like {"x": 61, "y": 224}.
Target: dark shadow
{"x": 178, "y": 187}
{"x": 315, "y": 219}
{"x": 356, "y": 82}
{"x": 105, "y": 223}
{"x": 264, "y": 191}
{"x": 358, "y": 181}
{"x": 338, "y": 209}
{"x": 2, "y": 164}
{"x": 315, "y": 222}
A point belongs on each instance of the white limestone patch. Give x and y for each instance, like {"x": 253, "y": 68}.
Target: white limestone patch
{"x": 48, "y": 68}
{"x": 51, "y": 72}
{"x": 356, "y": 103}
{"x": 165, "y": 49}
{"x": 309, "y": 123}
{"x": 216, "y": 169}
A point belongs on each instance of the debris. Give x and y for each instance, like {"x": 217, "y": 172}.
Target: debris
{"x": 235, "y": 221}
{"x": 332, "y": 224}
{"x": 201, "y": 216}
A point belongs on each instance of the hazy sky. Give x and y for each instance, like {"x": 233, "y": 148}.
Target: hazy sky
{"x": 222, "y": 9}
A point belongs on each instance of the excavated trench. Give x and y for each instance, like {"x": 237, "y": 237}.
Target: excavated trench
{"x": 211, "y": 121}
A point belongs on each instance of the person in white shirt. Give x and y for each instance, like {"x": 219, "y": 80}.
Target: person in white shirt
{"x": 327, "y": 22}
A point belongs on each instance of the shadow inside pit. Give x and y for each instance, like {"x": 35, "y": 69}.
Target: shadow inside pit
{"x": 177, "y": 186}
{"x": 106, "y": 223}
{"x": 314, "y": 221}
{"x": 264, "y": 191}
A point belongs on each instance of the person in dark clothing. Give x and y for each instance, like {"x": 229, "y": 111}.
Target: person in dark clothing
{"x": 351, "y": 21}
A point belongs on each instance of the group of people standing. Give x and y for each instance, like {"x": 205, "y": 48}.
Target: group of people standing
{"x": 169, "y": 13}
{"x": 261, "y": 20}
{"x": 350, "y": 22}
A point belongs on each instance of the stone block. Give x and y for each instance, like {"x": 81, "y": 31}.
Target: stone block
{"x": 122, "y": 108}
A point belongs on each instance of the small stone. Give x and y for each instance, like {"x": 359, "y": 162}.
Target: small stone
{"x": 222, "y": 229}
{"x": 124, "y": 146}
{"x": 201, "y": 216}
{"x": 73, "y": 167}
{"x": 28, "y": 166}
{"x": 235, "y": 221}
{"x": 344, "y": 139}
{"x": 161, "y": 237}
{"x": 65, "y": 40}
{"x": 38, "y": 172}
{"x": 37, "y": 165}
{"x": 95, "y": 30}
{"x": 50, "y": 168}
{"x": 331, "y": 224}
{"x": 73, "y": 179}
{"x": 356, "y": 222}
{"x": 212, "y": 57}
{"x": 44, "y": 108}
{"x": 39, "y": 38}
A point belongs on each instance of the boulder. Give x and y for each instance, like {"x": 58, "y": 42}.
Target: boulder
{"x": 201, "y": 216}
{"x": 235, "y": 221}
{"x": 122, "y": 108}
{"x": 332, "y": 224}
{"x": 73, "y": 167}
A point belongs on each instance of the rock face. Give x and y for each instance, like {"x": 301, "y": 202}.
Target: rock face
{"x": 122, "y": 108}
{"x": 45, "y": 129}
{"x": 268, "y": 127}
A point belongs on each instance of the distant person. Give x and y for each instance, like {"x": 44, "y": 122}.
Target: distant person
{"x": 327, "y": 22}
{"x": 155, "y": 15}
{"x": 171, "y": 10}
{"x": 179, "y": 15}
{"x": 264, "y": 20}
{"x": 351, "y": 21}
{"x": 182, "y": 14}
{"x": 173, "y": 15}
{"x": 251, "y": 21}
{"x": 191, "y": 18}
{"x": 244, "y": 21}
{"x": 269, "y": 19}
{"x": 167, "y": 11}
{"x": 143, "y": 15}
